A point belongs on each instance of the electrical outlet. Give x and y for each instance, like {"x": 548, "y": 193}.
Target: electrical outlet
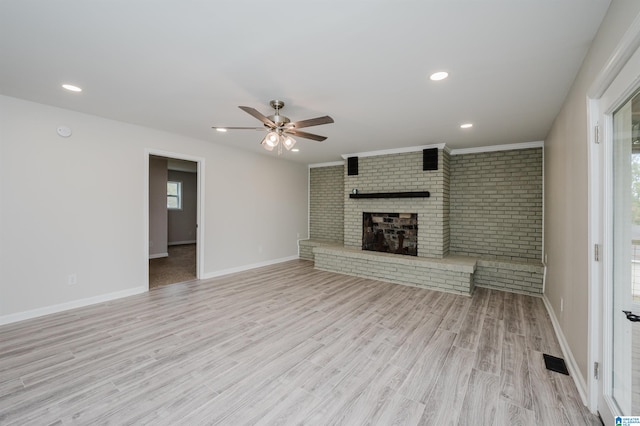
{"x": 72, "y": 279}
{"x": 561, "y": 304}
{"x": 259, "y": 249}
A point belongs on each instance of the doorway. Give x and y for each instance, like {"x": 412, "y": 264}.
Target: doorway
{"x": 174, "y": 204}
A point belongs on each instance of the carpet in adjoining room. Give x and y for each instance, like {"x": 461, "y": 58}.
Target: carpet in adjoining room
{"x": 178, "y": 267}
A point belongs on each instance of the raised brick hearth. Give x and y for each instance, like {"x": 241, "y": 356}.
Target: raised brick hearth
{"x": 451, "y": 274}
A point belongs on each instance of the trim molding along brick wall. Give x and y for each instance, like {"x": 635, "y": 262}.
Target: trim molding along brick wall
{"x": 485, "y": 208}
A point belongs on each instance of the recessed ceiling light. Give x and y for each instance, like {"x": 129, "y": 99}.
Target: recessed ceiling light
{"x": 71, "y": 88}
{"x": 466, "y": 125}
{"x": 295, "y": 150}
{"x": 440, "y": 75}
{"x": 221, "y": 129}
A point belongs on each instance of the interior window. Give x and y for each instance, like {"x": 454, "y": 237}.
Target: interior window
{"x": 174, "y": 195}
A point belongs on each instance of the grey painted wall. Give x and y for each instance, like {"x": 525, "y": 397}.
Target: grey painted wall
{"x": 566, "y": 170}
{"x": 157, "y": 207}
{"x": 182, "y": 223}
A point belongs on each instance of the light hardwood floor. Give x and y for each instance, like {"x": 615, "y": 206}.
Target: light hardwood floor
{"x": 287, "y": 344}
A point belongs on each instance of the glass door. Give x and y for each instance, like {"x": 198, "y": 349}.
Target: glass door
{"x": 625, "y": 334}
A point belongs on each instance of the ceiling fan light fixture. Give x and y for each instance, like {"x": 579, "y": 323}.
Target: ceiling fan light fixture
{"x": 272, "y": 139}
{"x": 288, "y": 142}
{"x": 266, "y": 144}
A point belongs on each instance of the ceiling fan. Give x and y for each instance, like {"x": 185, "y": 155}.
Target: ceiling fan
{"x": 280, "y": 128}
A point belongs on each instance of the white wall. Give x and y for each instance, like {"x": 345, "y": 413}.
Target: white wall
{"x": 566, "y": 191}
{"x": 76, "y": 206}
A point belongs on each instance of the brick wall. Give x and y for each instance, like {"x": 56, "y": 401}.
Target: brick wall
{"x": 326, "y": 203}
{"x": 496, "y": 204}
{"x": 401, "y": 173}
{"x": 516, "y": 277}
{"x": 483, "y": 205}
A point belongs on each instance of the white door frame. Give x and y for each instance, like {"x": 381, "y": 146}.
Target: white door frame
{"x": 200, "y": 245}
{"x": 611, "y": 88}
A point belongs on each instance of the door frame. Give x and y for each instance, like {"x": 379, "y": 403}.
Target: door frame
{"x": 200, "y": 241}
{"x": 612, "y": 86}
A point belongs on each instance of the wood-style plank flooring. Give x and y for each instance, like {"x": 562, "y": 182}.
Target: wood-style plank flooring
{"x": 287, "y": 344}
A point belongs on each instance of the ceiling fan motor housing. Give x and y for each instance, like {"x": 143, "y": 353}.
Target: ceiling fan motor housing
{"x": 280, "y": 120}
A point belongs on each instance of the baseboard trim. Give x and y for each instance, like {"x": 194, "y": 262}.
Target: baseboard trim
{"x": 180, "y": 243}
{"x": 158, "y": 255}
{"x": 572, "y": 365}
{"x": 247, "y": 267}
{"x": 34, "y": 313}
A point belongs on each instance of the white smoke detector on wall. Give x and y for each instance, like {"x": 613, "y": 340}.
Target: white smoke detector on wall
{"x": 64, "y": 131}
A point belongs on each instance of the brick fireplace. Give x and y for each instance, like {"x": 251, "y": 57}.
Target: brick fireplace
{"x": 401, "y": 173}
{"x": 480, "y": 222}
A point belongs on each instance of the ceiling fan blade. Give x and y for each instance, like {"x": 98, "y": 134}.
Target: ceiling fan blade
{"x": 305, "y": 135}
{"x": 238, "y": 128}
{"x": 311, "y": 122}
{"x": 255, "y": 113}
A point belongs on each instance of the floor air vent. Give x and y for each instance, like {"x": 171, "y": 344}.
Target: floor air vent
{"x": 555, "y": 364}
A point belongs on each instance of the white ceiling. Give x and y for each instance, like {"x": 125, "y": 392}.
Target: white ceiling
{"x": 184, "y": 66}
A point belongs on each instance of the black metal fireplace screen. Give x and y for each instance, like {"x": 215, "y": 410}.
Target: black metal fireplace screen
{"x": 390, "y": 232}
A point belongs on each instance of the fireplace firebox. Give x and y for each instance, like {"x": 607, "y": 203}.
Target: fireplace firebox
{"x": 390, "y": 232}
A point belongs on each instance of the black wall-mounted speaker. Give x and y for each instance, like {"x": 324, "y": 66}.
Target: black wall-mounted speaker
{"x": 430, "y": 159}
{"x": 352, "y": 166}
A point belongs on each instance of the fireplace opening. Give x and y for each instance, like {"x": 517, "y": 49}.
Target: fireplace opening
{"x": 390, "y": 233}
